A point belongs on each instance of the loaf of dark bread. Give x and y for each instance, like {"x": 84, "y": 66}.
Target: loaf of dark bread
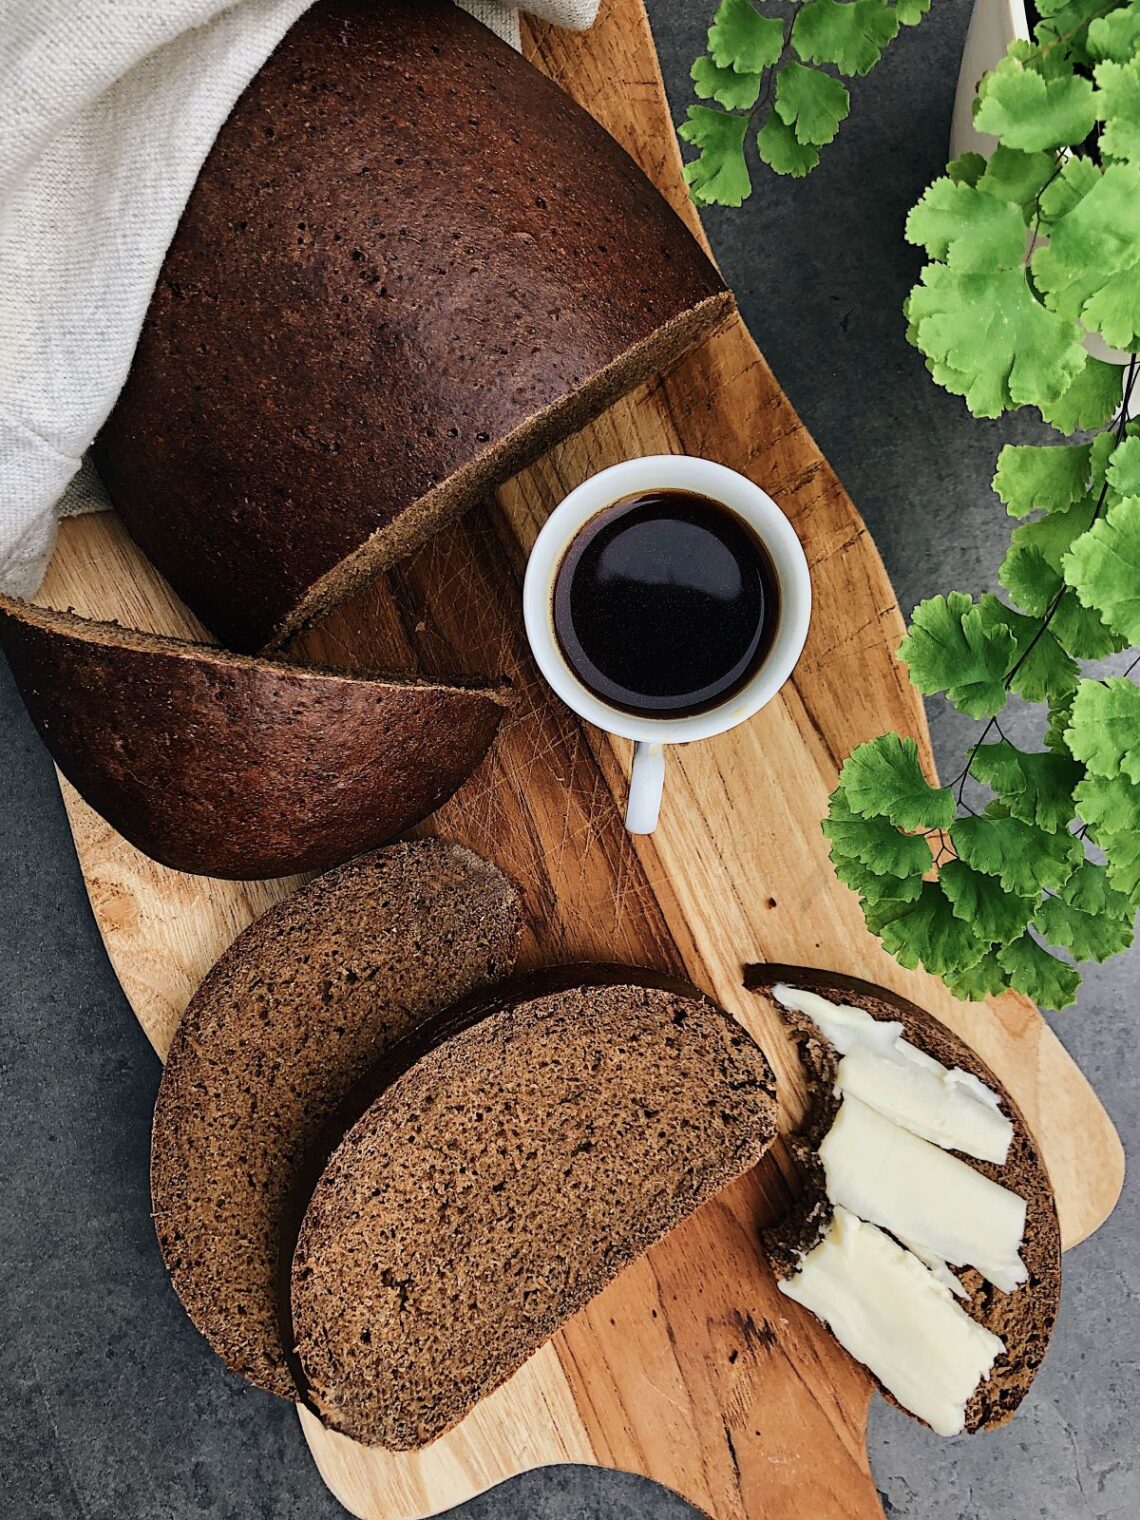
{"x": 1024, "y": 1318}
{"x": 502, "y": 1179}
{"x": 410, "y": 265}
{"x": 292, "y": 1015}
{"x": 230, "y": 766}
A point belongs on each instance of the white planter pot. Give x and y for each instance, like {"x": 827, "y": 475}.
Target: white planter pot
{"x": 994, "y": 24}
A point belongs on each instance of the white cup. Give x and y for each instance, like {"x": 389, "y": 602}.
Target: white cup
{"x": 634, "y": 477}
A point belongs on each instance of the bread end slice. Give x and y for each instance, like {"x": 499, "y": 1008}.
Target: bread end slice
{"x": 230, "y": 766}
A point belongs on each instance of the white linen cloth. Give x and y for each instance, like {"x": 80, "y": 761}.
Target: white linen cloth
{"x": 108, "y": 109}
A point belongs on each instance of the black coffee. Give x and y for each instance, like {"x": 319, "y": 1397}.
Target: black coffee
{"x": 665, "y": 604}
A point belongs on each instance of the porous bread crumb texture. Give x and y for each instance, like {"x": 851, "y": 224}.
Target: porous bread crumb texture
{"x": 410, "y": 265}
{"x": 291, "y": 1016}
{"x": 227, "y": 766}
{"x": 498, "y": 1185}
{"x": 1024, "y": 1319}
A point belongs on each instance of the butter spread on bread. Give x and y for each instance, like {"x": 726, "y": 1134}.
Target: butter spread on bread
{"x": 945, "y": 1105}
{"x": 893, "y": 1315}
{"x": 896, "y": 1190}
{"x": 927, "y": 1198}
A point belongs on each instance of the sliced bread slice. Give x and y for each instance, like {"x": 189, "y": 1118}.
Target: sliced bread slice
{"x": 411, "y": 264}
{"x": 303, "y": 1003}
{"x": 502, "y": 1179}
{"x": 1023, "y": 1318}
{"x": 224, "y": 765}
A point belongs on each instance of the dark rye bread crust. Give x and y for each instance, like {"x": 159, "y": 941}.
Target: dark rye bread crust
{"x": 411, "y": 264}
{"x": 1024, "y": 1319}
{"x": 227, "y": 766}
{"x": 303, "y": 1003}
{"x": 500, "y": 1183}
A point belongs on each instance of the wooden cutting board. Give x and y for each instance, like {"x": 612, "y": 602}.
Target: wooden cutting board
{"x": 690, "y": 1368}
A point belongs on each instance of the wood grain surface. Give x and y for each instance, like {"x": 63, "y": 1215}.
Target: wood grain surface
{"x": 690, "y": 1368}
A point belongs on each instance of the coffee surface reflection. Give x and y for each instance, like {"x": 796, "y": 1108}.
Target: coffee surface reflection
{"x": 665, "y": 604}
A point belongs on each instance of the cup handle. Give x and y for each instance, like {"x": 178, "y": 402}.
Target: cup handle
{"x": 645, "y": 785}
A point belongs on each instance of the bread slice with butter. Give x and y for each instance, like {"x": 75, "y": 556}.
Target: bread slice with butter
{"x": 502, "y": 1176}
{"x": 1023, "y": 1313}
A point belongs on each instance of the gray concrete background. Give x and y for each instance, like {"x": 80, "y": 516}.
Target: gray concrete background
{"x": 114, "y": 1407}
